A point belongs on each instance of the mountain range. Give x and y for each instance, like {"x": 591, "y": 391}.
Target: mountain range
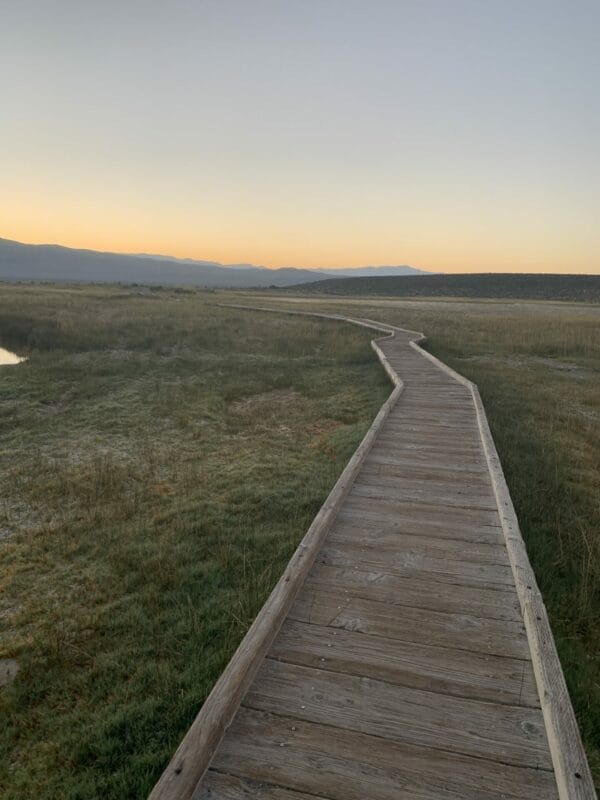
{"x": 44, "y": 262}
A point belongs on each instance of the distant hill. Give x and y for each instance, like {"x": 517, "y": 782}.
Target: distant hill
{"x": 500, "y": 286}
{"x": 29, "y": 262}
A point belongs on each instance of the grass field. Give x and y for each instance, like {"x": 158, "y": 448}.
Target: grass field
{"x": 537, "y": 366}
{"x": 162, "y": 458}
{"x": 165, "y": 455}
{"x": 498, "y": 286}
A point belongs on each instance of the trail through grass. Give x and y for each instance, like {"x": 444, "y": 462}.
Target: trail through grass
{"x": 537, "y": 366}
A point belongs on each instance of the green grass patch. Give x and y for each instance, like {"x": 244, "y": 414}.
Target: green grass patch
{"x": 163, "y": 457}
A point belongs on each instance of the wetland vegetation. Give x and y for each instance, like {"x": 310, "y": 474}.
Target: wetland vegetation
{"x": 161, "y": 458}
{"x": 163, "y": 455}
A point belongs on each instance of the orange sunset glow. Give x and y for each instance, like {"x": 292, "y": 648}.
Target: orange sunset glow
{"x": 311, "y": 139}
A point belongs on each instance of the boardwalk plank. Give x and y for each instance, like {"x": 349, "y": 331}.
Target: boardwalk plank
{"x": 422, "y": 460}
{"x": 344, "y": 765}
{"x": 426, "y": 591}
{"x": 424, "y": 626}
{"x": 408, "y": 470}
{"x": 438, "y": 669}
{"x": 422, "y": 510}
{"x": 393, "y": 538}
{"x": 438, "y": 485}
{"x": 376, "y": 557}
{"x": 383, "y": 485}
{"x": 229, "y": 787}
{"x": 391, "y": 490}
{"x": 401, "y": 521}
{"x": 510, "y": 734}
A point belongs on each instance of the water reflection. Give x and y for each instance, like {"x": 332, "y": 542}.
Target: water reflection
{"x": 6, "y": 357}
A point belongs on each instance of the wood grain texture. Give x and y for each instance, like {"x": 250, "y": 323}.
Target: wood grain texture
{"x": 443, "y": 670}
{"x": 346, "y": 765}
{"x": 416, "y": 564}
{"x": 406, "y": 469}
{"x": 394, "y": 539}
{"x": 438, "y": 486}
{"x": 383, "y": 487}
{"x": 509, "y": 734}
{"x": 422, "y": 509}
{"x": 423, "y": 591}
{"x": 401, "y": 519}
{"x": 222, "y": 786}
{"x": 410, "y": 624}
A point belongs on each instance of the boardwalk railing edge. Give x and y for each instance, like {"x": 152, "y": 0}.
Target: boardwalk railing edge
{"x": 572, "y": 772}
{"x": 194, "y": 754}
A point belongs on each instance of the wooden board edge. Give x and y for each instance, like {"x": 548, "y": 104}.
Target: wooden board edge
{"x": 572, "y": 772}
{"x": 573, "y": 776}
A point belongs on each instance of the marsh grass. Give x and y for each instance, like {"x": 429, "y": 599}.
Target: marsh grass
{"x": 537, "y": 366}
{"x": 160, "y": 460}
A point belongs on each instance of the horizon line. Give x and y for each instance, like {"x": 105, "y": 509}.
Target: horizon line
{"x": 248, "y": 264}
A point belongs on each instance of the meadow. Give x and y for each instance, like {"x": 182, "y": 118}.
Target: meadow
{"x": 537, "y": 365}
{"x": 161, "y": 457}
{"x": 497, "y": 286}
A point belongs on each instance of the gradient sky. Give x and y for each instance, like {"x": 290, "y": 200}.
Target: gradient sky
{"x": 454, "y": 135}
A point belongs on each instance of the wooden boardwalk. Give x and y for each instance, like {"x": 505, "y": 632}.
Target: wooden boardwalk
{"x": 403, "y": 667}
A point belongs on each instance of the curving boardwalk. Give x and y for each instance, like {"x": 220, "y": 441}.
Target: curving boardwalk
{"x": 408, "y": 658}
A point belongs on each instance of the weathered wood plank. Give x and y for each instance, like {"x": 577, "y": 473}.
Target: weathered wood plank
{"x": 389, "y": 488}
{"x": 431, "y": 429}
{"x": 399, "y": 523}
{"x": 434, "y": 450}
{"x": 438, "y": 669}
{"x": 458, "y": 412}
{"x": 222, "y": 786}
{"x": 427, "y": 591}
{"x": 444, "y": 410}
{"x": 440, "y": 440}
{"x": 438, "y": 493}
{"x": 376, "y": 558}
{"x": 510, "y": 734}
{"x": 435, "y": 408}
{"x": 422, "y": 510}
{"x": 423, "y": 626}
{"x": 427, "y": 457}
{"x": 444, "y": 424}
{"x": 439, "y": 483}
{"x": 408, "y": 472}
{"x": 395, "y": 538}
{"x": 344, "y": 765}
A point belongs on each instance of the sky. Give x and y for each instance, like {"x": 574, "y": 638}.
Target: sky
{"x": 453, "y": 135}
